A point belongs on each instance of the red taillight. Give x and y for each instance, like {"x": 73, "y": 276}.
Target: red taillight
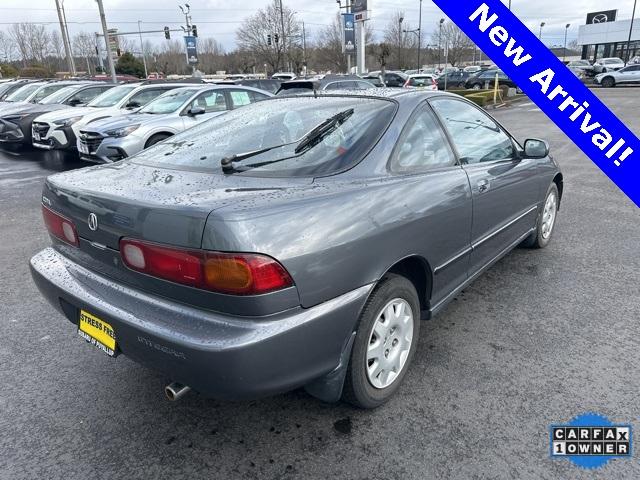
{"x": 60, "y": 227}
{"x": 230, "y": 273}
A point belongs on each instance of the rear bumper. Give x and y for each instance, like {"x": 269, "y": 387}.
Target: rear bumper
{"x": 219, "y": 356}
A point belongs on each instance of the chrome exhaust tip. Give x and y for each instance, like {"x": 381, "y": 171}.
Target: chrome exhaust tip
{"x": 176, "y": 391}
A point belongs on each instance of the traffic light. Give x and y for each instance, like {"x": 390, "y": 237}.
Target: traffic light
{"x": 276, "y": 37}
{"x": 269, "y": 42}
{"x": 167, "y": 33}
{"x": 194, "y": 30}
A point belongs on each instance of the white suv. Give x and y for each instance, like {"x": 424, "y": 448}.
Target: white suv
{"x": 58, "y": 130}
{"x": 608, "y": 65}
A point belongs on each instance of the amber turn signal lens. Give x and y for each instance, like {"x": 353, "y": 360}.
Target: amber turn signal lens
{"x": 230, "y": 274}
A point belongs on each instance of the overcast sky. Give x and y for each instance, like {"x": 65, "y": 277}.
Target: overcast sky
{"x": 220, "y": 18}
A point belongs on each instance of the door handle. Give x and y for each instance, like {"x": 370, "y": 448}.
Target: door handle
{"x": 483, "y": 185}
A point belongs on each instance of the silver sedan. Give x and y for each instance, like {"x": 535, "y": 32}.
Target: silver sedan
{"x": 120, "y": 137}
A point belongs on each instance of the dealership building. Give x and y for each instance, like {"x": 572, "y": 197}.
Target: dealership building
{"x": 604, "y": 36}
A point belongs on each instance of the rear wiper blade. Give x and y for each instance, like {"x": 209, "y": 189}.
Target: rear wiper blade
{"x": 227, "y": 162}
{"x": 307, "y": 142}
{"x": 322, "y": 131}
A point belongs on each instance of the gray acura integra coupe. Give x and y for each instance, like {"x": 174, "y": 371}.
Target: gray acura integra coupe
{"x": 294, "y": 242}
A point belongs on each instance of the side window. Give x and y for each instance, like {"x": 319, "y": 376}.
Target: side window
{"x": 422, "y": 145}
{"x": 145, "y": 96}
{"x": 364, "y": 85}
{"x": 211, "y": 101}
{"x": 475, "y": 135}
{"x": 86, "y": 95}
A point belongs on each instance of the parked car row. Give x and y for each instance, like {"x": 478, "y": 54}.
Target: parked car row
{"x": 105, "y": 122}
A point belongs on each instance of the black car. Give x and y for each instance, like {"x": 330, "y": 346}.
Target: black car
{"x": 454, "y": 80}
{"x": 389, "y": 79}
{"x": 271, "y": 86}
{"x": 329, "y": 82}
{"x": 16, "y": 121}
{"x": 479, "y": 81}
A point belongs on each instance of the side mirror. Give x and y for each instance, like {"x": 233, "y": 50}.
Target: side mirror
{"x": 74, "y": 102}
{"x": 132, "y": 105}
{"x": 193, "y": 111}
{"x": 535, "y": 148}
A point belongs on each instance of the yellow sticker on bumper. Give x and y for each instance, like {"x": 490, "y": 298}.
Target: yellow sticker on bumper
{"x": 98, "y": 332}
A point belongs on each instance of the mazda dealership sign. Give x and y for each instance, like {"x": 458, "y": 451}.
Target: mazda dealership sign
{"x": 602, "y": 17}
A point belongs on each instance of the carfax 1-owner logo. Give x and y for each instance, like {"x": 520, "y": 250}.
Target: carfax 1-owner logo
{"x": 591, "y": 440}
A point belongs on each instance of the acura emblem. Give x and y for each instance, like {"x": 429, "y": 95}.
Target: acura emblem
{"x": 600, "y": 18}
{"x": 93, "y": 222}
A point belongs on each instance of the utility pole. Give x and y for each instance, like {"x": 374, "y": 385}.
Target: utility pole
{"x": 284, "y": 35}
{"x": 103, "y": 20}
{"x": 65, "y": 39}
{"x": 144, "y": 57}
{"x": 635, "y": 4}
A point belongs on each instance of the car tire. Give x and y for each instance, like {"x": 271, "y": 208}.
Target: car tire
{"x": 157, "y": 138}
{"x": 547, "y": 218}
{"x": 371, "y": 381}
{"x": 476, "y": 86}
{"x": 608, "y": 82}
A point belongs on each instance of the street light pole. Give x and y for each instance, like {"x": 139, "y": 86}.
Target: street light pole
{"x": 284, "y": 35}
{"x": 566, "y": 30}
{"x": 420, "y": 38}
{"x": 103, "y": 21}
{"x": 635, "y": 3}
{"x": 144, "y": 59}
{"x": 400, "y": 20}
{"x": 440, "y": 44}
{"x": 540, "y": 34}
{"x": 509, "y": 4}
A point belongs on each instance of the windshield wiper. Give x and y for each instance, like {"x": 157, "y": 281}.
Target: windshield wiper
{"x": 322, "y": 131}
{"x": 306, "y": 143}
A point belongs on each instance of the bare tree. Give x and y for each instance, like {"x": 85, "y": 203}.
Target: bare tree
{"x": 84, "y": 46}
{"x": 8, "y": 49}
{"x": 252, "y": 34}
{"x": 401, "y": 43}
{"x": 452, "y": 38}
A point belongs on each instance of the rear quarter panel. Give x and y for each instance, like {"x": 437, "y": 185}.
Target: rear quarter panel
{"x": 338, "y": 236}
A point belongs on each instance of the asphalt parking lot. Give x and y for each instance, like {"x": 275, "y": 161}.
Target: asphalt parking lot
{"x": 542, "y": 337}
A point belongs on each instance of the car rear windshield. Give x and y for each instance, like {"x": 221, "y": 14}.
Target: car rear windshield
{"x": 168, "y": 102}
{"x": 112, "y": 97}
{"x": 421, "y": 81}
{"x": 23, "y": 93}
{"x": 282, "y": 123}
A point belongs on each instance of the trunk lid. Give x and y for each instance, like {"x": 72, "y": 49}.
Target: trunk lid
{"x": 149, "y": 203}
